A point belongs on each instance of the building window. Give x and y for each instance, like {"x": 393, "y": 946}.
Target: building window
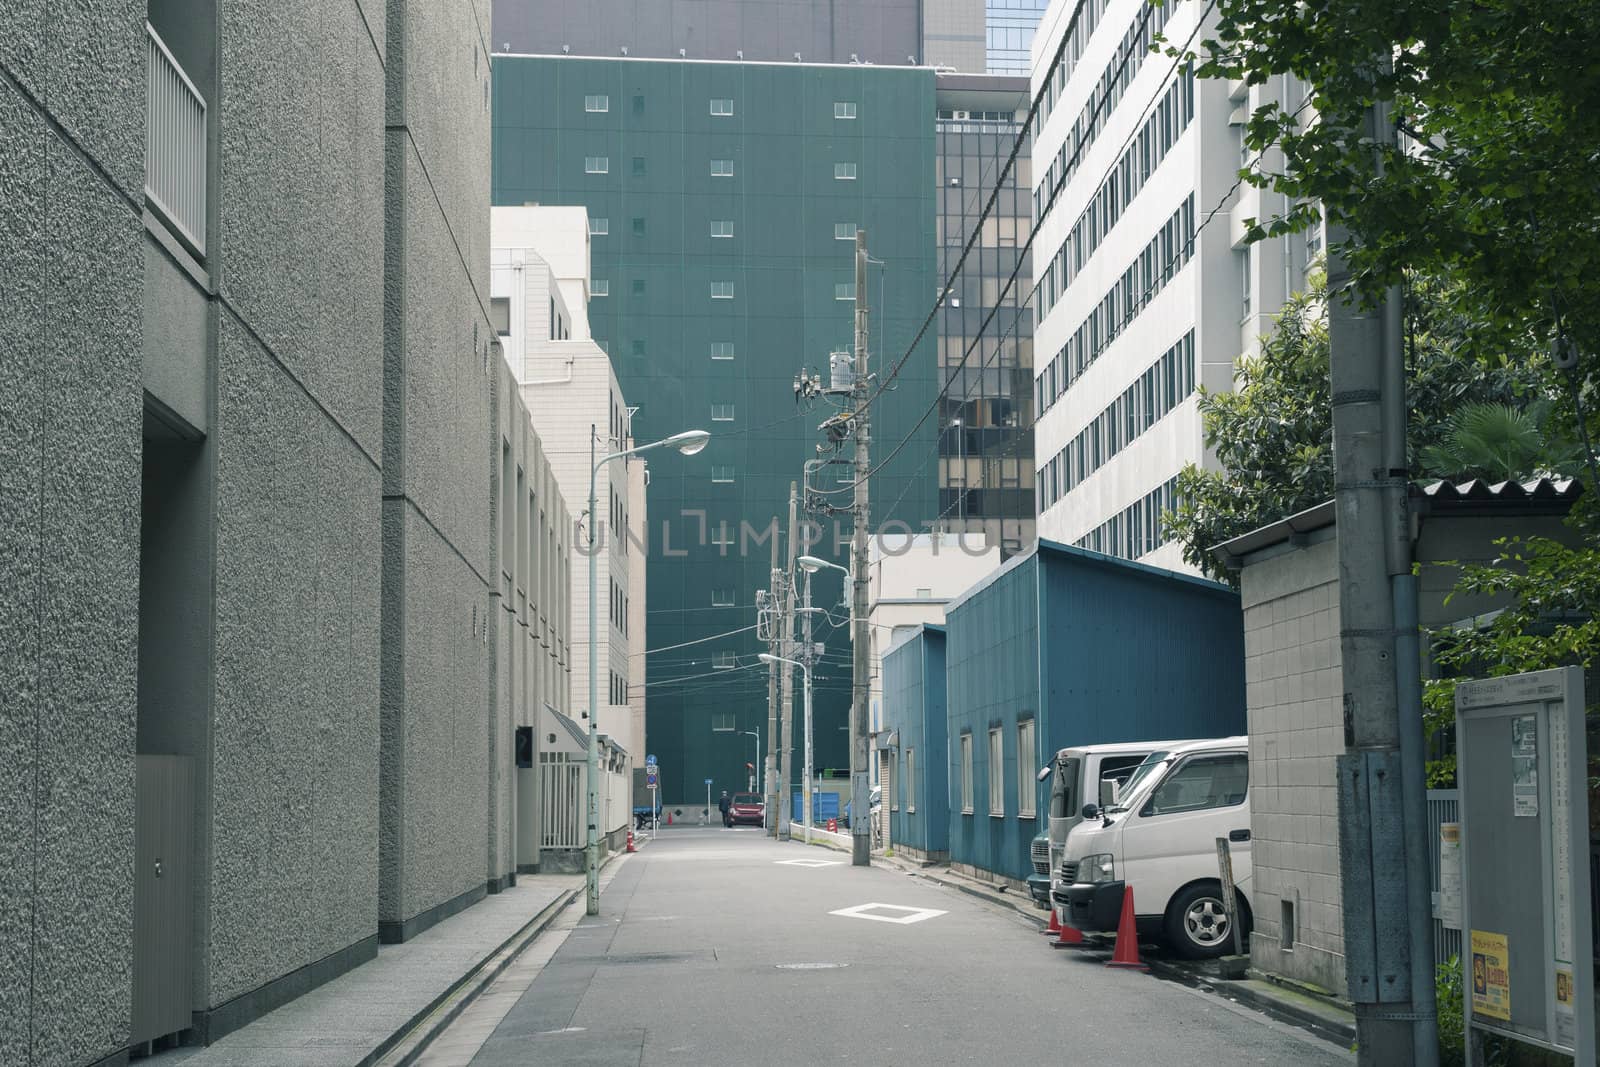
{"x": 721, "y": 106}
{"x": 724, "y": 661}
{"x": 500, "y": 315}
{"x": 966, "y": 774}
{"x": 722, "y": 721}
{"x": 844, "y": 290}
{"x": 597, "y": 103}
{"x": 1025, "y": 782}
{"x": 638, "y": 105}
{"x": 924, "y": 593}
{"x": 722, "y": 168}
{"x": 911, "y": 779}
{"x": 1244, "y": 277}
{"x": 638, "y": 166}
{"x": 722, "y": 290}
{"x": 599, "y": 227}
{"x": 722, "y": 227}
{"x": 599, "y": 287}
{"x": 845, "y": 172}
{"x": 722, "y": 472}
{"x": 721, "y": 349}
{"x": 638, "y": 287}
{"x": 997, "y": 774}
{"x": 722, "y": 597}
{"x": 844, "y": 109}
{"x": 721, "y": 412}
{"x": 638, "y": 348}
{"x": 844, "y": 231}
{"x": 638, "y": 226}
{"x": 596, "y": 164}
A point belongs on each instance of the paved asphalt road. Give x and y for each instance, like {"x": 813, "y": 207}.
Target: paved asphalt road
{"x": 715, "y": 947}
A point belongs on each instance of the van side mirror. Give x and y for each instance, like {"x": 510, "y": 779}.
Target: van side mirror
{"x": 1091, "y": 811}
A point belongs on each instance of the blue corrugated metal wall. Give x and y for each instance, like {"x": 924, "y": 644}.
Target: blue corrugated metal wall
{"x": 1127, "y": 653}
{"x": 992, "y": 678}
{"x": 914, "y": 707}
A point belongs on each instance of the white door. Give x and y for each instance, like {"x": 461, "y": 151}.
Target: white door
{"x": 1172, "y": 839}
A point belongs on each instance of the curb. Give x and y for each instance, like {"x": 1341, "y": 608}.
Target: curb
{"x": 407, "y": 1044}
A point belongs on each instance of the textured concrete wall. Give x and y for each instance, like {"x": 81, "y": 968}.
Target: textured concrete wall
{"x": 439, "y": 450}
{"x": 290, "y": 870}
{"x": 72, "y": 127}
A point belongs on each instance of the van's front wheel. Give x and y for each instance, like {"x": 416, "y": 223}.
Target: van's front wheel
{"x": 1197, "y": 923}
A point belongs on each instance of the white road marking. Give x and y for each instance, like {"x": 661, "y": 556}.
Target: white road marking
{"x": 809, "y": 863}
{"x": 908, "y": 916}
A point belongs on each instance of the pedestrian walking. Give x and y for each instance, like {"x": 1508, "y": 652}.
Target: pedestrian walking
{"x": 724, "y": 805}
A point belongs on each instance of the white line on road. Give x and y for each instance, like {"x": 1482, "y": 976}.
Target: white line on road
{"x": 809, "y": 863}
{"x": 908, "y": 916}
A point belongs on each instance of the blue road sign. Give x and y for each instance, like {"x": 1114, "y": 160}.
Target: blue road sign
{"x": 649, "y": 759}
{"x": 708, "y": 781}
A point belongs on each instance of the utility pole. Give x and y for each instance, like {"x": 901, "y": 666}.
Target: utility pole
{"x": 769, "y": 769}
{"x": 1383, "y": 857}
{"x": 786, "y": 679}
{"x": 860, "y": 789}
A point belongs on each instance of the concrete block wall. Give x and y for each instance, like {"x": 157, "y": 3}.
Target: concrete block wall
{"x": 72, "y": 125}
{"x": 1294, "y": 693}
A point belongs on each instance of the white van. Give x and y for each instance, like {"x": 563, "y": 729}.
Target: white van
{"x": 1078, "y": 776}
{"x": 1160, "y": 840}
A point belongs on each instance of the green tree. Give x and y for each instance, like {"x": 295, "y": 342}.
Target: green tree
{"x": 1273, "y": 433}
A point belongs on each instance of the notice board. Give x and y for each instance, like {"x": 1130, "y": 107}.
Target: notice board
{"x": 1524, "y": 815}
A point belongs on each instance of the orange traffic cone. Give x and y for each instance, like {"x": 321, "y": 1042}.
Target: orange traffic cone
{"x": 630, "y": 841}
{"x": 1127, "y": 951}
{"x": 1066, "y": 936}
{"x": 1055, "y": 923}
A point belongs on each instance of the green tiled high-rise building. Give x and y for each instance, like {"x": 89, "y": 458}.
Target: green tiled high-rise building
{"x": 723, "y": 202}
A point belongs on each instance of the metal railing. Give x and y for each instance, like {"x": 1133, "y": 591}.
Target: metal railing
{"x": 175, "y": 144}
{"x": 561, "y": 791}
{"x": 1443, "y": 807}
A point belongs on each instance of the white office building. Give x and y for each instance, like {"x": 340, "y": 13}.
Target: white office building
{"x": 1146, "y": 289}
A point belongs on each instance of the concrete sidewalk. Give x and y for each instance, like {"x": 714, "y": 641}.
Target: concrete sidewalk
{"x": 410, "y": 992}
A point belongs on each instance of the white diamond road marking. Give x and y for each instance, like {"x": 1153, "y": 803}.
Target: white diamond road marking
{"x": 809, "y": 863}
{"x": 911, "y": 915}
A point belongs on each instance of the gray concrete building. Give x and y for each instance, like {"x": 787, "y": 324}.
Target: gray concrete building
{"x": 263, "y": 642}
{"x": 941, "y": 33}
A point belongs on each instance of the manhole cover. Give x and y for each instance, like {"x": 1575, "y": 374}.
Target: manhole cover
{"x": 809, "y": 966}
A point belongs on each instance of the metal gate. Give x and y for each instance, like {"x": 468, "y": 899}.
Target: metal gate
{"x": 563, "y": 800}
{"x": 163, "y": 897}
{"x": 1442, "y": 808}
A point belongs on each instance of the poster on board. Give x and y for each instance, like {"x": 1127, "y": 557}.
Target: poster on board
{"x": 1525, "y": 767}
{"x": 1491, "y": 975}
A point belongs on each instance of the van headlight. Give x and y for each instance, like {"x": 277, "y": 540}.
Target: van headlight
{"x": 1100, "y": 867}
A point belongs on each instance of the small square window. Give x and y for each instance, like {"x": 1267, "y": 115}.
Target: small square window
{"x": 638, "y": 105}
{"x": 844, "y": 231}
{"x": 500, "y": 315}
{"x": 638, "y": 287}
{"x": 721, "y": 412}
{"x": 638, "y": 348}
{"x": 722, "y": 472}
{"x": 844, "y": 172}
{"x": 597, "y": 103}
{"x": 638, "y": 227}
{"x": 722, "y": 597}
{"x": 638, "y": 166}
{"x": 844, "y": 109}
{"x": 722, "y": 227}
{"x": 721, "y": 106}
{"x": 599, "y": 227}
{"x": 844, "y": 290}
{"x": 599, "y": 287}
{"x": 722, "y": 290}
{"x": 721, "y": 349}
{"x": 596, "y": 165}
{"x": 722, "y": 168}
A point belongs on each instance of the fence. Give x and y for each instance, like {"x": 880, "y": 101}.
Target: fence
{"x": 175, "y": 143}
{"x": 1442, "y": 808}
{"x": 563, "y": 800}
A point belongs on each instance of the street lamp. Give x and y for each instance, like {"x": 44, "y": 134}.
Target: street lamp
{"x": 767, "y": 657}
{"x": 756, "y": 733}
{"x": 688, "y": 442}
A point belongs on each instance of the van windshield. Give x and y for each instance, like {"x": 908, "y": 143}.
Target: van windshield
{"x": 1140, "y": 778}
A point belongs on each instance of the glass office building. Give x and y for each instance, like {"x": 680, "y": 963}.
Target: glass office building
{"x": 724, "y": 200}
{"x": 986, "y": 423}
{"x": 1010, "y": 25}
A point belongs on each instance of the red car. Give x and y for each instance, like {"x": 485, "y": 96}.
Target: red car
{"x": 748, "y": 809}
